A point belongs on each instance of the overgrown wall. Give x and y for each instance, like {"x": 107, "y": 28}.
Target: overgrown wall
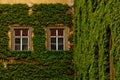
{"x": 97, "y": 39}
{"x": 39, "y": 64}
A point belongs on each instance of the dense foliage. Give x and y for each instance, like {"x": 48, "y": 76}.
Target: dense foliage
{"x": 97, "y": 29}
{"x": 38, "y": 64}
{"x": 54, "y": 65}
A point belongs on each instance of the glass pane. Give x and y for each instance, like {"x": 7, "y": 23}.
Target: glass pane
{"x": 17, "y": 32}
{"x": 17, "y": 47}
{"x": 60, "y": 47}
{"x": 25, "y": 40}
{"x": 24, "y": 47}
{"x": 17, "y": 40}
{"x": 53, "y": 40}
{"x": 60, "y": 40}
{"x": 53, "y": 32}
{"x": 53, "y": 47}
{"x": 60, "y": 32}
{"x": 25, "y": 32}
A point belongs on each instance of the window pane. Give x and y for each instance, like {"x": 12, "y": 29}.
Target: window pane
{"x": 60, "y": 32}
{"x": 53, "y": 32}
{"x": 60, "y": 47}
{"x": 53, "y": 40}
{"x": 25, "y": 32}
{"x": 17, "y": 32}
{"x": 24, "y": 47}
{"x": 53, "y": 47}
{"x": 25, "y": 40}
{"x": 17, "y": 40}
{"x": 60, "y": 40}
{"x": 17, "y": 47}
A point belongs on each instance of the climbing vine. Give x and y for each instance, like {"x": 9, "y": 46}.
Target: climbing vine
{"x": 95, "y": 22}
{"x": 38, "y": 64}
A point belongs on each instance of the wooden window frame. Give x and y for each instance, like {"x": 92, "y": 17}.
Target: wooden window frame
{"x": 21, "y": 37}
{"x": 65, "y": 37}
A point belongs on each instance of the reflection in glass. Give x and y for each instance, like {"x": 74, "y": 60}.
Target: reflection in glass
{"x": 53, "y": 40}
{"x": 17, "y": 40}
{"x": 60, "y": 40}
{"x": 53, "y": 32}
{"x": 60, "y": 32}
{"x": 60, "y": 47}
{"x": 25, "y": 40}
{"x": 17, "y": 32}
{"x": 25, "y": 32}
{"x": 17, "y": 47}
{"x": 53, "y": 47}
{"x": 24, "y": 47}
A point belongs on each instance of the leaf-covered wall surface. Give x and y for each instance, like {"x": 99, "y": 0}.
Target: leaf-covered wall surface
{"x": 96, "y": 39}
{"x": 39, "y": 64}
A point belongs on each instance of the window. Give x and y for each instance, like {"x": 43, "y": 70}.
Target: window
{"x": 57, "y": 39}
{"x": 21, "y": 38}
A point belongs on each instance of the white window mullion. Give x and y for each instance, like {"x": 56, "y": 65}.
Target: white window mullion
{"x": 63, "y": 39}
{"x": 21, "y": 40}
{"x": 28, "y": 41}
{"x": 56, "y": 39}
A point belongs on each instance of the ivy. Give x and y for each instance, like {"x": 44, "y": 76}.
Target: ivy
{"x": 38, "y": 64}
{"x": 44, "y": 14}
{"x": 53, "y": 65}
{"x": 95, "y": 22}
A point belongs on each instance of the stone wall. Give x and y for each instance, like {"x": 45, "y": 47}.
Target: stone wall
{"x": 70, "y": 2}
